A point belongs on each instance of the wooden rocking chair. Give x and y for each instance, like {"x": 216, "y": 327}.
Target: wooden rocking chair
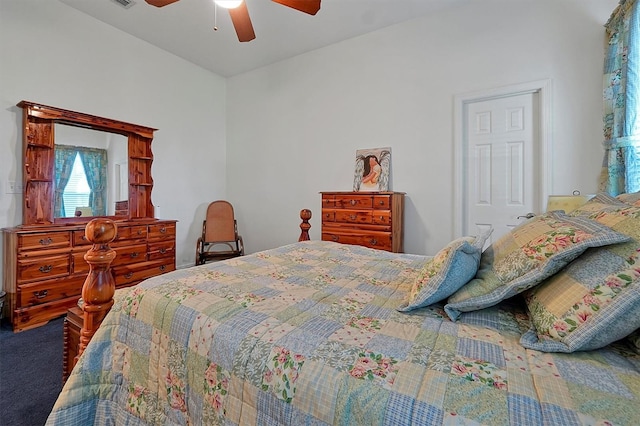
{"x": 220, "y": 239}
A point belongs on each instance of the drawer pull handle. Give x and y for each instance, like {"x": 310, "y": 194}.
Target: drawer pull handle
{"x": 45, "y": 268}
{"x": 84, "y": 238}
{"x": 374, "y": 242}
{"x": 381, "y": 217}
{"x": 41, "y": 294}
{"x": 335, "y": 238}
{"x": 382, "y": 202}
{"x": 162, "y": 268}
{"x": 163, "y": 230}
{"x": 139, "y": 231}
{"x": 163, "y": 250}
{"x": 353, "y": 202}
{"x": 134, "y": 255}
{"x": 128, "y": 275}
{"x": 353, "y": 217}
{"x": 46, "y": 241}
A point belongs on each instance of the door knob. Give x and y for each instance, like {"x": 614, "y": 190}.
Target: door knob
{"x": 527, "y": 216}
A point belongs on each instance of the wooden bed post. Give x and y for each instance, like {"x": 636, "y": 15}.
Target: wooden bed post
{"x": 305, "y": 215}
{"x": 100, "y": 286}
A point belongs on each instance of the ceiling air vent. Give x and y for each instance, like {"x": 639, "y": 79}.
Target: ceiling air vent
{"x": 125, "y": 3}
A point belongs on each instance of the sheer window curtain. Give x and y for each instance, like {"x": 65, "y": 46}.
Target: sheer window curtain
{"x": 621, "y": 166}
{"x": 94, "y": 161}
{"x": 64, "y": 158}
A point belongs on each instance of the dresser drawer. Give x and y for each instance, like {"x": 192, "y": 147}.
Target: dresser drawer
{"x": 33, "y": 269}
{"x": 382, "y": 202}
{"x": 38, "y": 315}
{"x": 40, "y": 241}
{"x": 80, "y": 266}
{"x": 381, "y": 241}
{"x": 328, "y": 215}
{"x": 353, "y": 216}
{"x": 80, "y": 239}
{"x": 49, "y": 291}
{"x": 354, "y": 201}
{"x": 132, "y": 274}
{"x": 162, "y": 231}
{"x": 162, "y": 250}
{"x": 328, "y": 201}
{"x": 381, "y": 217}
{"x": 131, "y": 233}
{"x": 130, "y": 254}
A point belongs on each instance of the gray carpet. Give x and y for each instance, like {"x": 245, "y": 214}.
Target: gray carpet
{"x": 30, "y": 373}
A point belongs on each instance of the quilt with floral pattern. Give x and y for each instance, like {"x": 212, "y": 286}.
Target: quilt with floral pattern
{"x": 309, "y": 334}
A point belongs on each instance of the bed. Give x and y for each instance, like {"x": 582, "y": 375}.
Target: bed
{"x": 319, "y": 333}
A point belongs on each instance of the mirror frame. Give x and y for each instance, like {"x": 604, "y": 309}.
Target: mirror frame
{"x": 39, "y": 162}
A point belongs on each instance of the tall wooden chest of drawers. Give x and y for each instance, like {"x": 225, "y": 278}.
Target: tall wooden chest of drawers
{"x": 44, "y": 266}
{"x": 371, "y": 219}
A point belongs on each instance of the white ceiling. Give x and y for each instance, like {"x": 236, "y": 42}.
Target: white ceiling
{"x": 185, "y": 28}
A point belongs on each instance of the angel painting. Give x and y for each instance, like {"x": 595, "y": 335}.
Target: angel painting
{"x": 372, "y": 169}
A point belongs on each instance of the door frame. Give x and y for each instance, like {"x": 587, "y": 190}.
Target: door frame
{"x": 460, "y": 137}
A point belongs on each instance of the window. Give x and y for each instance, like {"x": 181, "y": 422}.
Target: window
{"x": 76, "y": 193}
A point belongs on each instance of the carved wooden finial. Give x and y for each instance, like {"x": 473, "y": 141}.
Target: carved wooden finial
{"x": 305, "y": 215}
{"x": 99, "y": 287}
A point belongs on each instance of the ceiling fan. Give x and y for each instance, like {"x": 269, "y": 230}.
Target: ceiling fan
{"x": 240, "y": 14}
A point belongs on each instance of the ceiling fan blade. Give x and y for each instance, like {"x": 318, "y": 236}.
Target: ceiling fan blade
{"x": 160, "y": 3}
{"x": 242, "y": 22}
{"x": 307, "y": 6}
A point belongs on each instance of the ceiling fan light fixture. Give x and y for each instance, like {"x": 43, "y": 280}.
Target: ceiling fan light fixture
{"x": 228, "y": 4}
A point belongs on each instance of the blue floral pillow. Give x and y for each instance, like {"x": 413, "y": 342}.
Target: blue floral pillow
{"x": 524, "y": 257}
{"x": 596, "y": 299}
{"x": 451, "y": 268}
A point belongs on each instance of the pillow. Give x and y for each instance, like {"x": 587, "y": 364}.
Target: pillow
{"x": 524, "y": 257}
{"x": 632, "y": 198}
{"x": 596, "y": 205}
{"x": 451, "y": 268}
{"x": 595, "y": 300}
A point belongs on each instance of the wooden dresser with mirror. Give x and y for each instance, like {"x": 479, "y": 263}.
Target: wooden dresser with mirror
{"x": 44, "y": 266}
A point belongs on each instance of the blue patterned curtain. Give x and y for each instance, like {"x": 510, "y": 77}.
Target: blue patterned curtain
{"x": 621, "y": 166}
{"x": 65, "y": 156}
{"x": 94, "y": 161}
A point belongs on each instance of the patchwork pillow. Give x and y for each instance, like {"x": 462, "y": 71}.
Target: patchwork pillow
{"x": 524, "y": 257}
{"x": 451, "y": 268}
{"x": 599, "y": 203}
{"x": 632, "y": 198}
{"x": 596, "y": 299}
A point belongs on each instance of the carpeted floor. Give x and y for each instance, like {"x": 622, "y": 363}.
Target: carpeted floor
{"x": 30, "y": 373}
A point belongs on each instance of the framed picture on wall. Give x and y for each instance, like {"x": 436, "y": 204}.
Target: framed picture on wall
{"x": 372, "y": 169}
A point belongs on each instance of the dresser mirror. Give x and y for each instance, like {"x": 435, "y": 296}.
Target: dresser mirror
{"x": 115, "y": 156}
{"x": 91, "y": 172}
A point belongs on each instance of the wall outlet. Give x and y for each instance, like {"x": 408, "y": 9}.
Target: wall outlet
{"x": 14, "y": 187}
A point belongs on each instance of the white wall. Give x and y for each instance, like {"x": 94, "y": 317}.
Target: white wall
{"x": 293, "y": 127}
{"x": 55, "y": 55}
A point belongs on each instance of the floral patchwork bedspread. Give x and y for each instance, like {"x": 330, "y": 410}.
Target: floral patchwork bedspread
{"x": 309, "y": 334}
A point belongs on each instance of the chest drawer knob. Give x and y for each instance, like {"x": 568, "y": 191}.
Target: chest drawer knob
{"x": 335, "y": 238}
{"x": 374, "y": 241}
{"x": 163, "y": 250}
{"x": 353, "y": 202}
{"x": 45, "y": 268}
{"x": 163, "y": 267}
{"x": 381, "y": 203}
{"x": 128, "y": 275}
{"x": 353, "y": 217}
{"x": 163, "y": 230}
{"x": 134, "y": 255}
{"x": 46, "y": 241}
{"x": 40, "y": 294}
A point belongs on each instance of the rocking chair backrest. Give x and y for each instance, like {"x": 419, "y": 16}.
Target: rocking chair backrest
{"x": 219, "y": 222}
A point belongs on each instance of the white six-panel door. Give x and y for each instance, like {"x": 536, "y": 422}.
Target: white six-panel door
{"x": 502, "y": 163}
